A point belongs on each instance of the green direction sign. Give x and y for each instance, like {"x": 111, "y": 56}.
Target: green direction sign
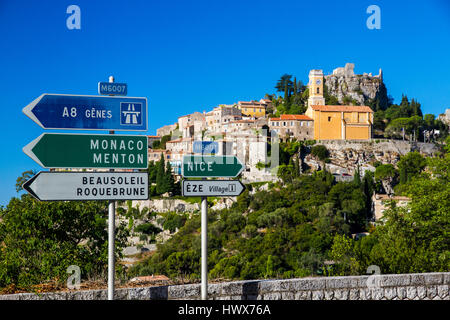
{"x": 211, "y": 166}
{"x": 58, "y": 150}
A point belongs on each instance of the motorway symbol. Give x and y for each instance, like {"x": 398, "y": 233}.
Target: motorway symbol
{"x": 60, "y": 150}
{"x": 212, "y": 188}
{"x": 81, "y": 112}
{"x": 211, "y": 166}
{"x": 205, "y": 147}
{"x": 47, "y": 186}
{"x": 112, "y": 88}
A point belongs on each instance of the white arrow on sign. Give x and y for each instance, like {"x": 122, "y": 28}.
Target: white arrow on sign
{"x": 47, "y": 186}
{"x": 212, "y": 188}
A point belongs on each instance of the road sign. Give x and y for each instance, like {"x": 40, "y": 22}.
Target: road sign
{"x": 205, "y": 147}
{"x": 60, "y": 150}
{"x": 212, "y": 188}
{"x": 78, "y": 112}
{"x": 112, "y": 88}
{"x": 211, "y": 166}
{"x": 48, "y": 186}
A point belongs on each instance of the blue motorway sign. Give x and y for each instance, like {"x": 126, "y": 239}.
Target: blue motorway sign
{"x": 112, "y": 88}
{"x": 205, "y": 147}
{"x": 64, "y": 111}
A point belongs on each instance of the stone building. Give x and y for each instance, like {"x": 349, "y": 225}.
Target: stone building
{"x": 155, "y": 154}
{"x": 221, "y": 115}
{"x": 298, "y": 126}
{"x": 191, "y": 123}
{"x": 254, "y": 109}
{"x": 166, "y": 130}
{"x": 381, "y": 204}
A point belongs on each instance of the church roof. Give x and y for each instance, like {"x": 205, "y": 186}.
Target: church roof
{"x": 342, "y": 108}
{"x": 292, "y": 117}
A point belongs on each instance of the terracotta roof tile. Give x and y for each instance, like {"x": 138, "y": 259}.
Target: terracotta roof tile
{"x": 343, "y": 108}
{"x": 292, "y": 117}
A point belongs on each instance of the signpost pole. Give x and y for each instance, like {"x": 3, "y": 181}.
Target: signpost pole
{"x": 111, "y": 236}
{"x": 204, "y": 242}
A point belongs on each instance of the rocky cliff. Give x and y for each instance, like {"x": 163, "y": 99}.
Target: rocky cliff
{"x": 345, "y": 85}
{"x": 347, "y": 156}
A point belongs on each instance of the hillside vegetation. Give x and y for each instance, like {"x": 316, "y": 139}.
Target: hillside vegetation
{"x": 302, "y": 226}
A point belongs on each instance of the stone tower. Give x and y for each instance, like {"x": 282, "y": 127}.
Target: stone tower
{"x": 315, "y": 87}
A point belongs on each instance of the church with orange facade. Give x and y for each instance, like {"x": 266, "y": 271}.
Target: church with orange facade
{"x": 336, "y": 122}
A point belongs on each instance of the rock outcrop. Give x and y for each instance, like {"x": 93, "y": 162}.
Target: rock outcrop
{"x": 362, "y": 88}
{"x": 347, "y": 156}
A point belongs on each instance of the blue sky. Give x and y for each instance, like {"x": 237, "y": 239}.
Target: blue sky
{"x": 187, "y": 56}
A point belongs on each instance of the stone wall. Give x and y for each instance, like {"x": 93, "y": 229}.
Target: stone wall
{"x": 418, "y": 286}
{"x": 166, "y": 205}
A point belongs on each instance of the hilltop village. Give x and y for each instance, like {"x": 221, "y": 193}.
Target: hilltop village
{"x": 249, "y": 129}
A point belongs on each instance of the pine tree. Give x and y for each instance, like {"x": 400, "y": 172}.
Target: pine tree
{"x": 286, "y": 93}
{"x": 151, "y": 172}
{"x": 295, "y": 86}
{"x": 169, "y": 180}
{"x": 160, "y": 176}
{"x": 357, "y": 178}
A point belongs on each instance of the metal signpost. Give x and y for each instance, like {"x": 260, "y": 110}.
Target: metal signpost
{"x": 58, "y": 150}
{"x": 204, "y": 167}
{"x": 81, "y": 112}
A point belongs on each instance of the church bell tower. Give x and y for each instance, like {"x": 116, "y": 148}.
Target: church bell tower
{"x": 315, "y": 87}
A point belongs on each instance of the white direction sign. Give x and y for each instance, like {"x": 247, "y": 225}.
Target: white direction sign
{"x": 212, "y": 188}
{"x": 47, "y": 186}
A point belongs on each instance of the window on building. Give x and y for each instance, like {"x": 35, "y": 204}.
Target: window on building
{"x": 318, "y": 90}
{"x": 284, "y": 124}
{"x": 329, "y": 119}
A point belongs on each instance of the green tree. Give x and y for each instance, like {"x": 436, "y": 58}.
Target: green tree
{"x": 343, "y": 255}
{"x": 40, "y": 240}
{"x": 386, "y": 174}
{"x": 164, "y": 139}
{"x": 169, "y": 179}
{"x": 23, "y": 178}
{"x": 321, "y": 153}
{"x": 285, "y": 84}
{"x": 410, "y": 165}
{"x": 429, "y": 121}
{"x": 161, "y": 181}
